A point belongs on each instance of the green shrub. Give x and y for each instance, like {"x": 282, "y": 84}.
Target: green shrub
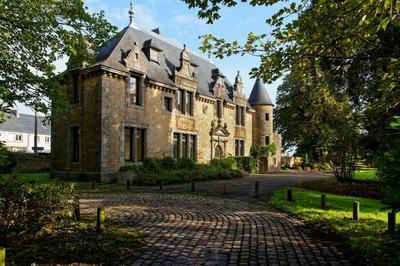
{"x": 185, "y": 163}
{"x": 26, "y": 208}
{"x": 248, "y": 164}
{"x": 168, "y": 163}
{"x": 226, "y": 163}
{"x": 131, "y": 167}
{"x": 7, "y": 160}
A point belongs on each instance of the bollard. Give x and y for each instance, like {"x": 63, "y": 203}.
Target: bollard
{"x": 257, "y": 189}
{"x": 2, "y": 256}
{"x": 289, "y": 195}
{"x": 128, "y": 184}
{"x": 392, "y": 221}
{"x": 356, "y": 210}
{"x": 161, "y": 185}
{"x": 193, "y": 186}
{"x": 77, "y": 209}
{"x": 93, "y": 185}
{"x": 323, "y": 201}
{"x": 101, "y": 217}
{"x": 225, "y": 188}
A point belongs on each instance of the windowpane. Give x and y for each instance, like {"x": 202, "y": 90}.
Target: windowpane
{"x": 188, "y": 102}
{"x": 128, "y": 144}
{"x": 168, "y": 104}
{"x": 266, "y": 140}
{"x": 242, "y": 115}
{"x": 179, "y": 100}
{"x": 242, "y": 148}
{"x": 75, "y": 89}
{"x": 75, "y": 138}
{"x": 140, "y": 144}
{"x": 266, "y": 116}
{"x": 134, "y": 96}
{"x": 237, "y": 115}
{"x": 184, "y": 145}
{"x": 219, "y": 108}
{"x": 236, "y": 148}
{"x": 192, "y": 148}
{"x": 175, "y": 146}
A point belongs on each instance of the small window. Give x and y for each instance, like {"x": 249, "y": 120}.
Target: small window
{"x": 154, "y": 55}
{"x": 266, "y": 116}
{"x": 267, "y": 140}
{"x": 75, "y": 144}
{"x": 218, "y": 109}
{"x": 175, "y": 146}
{"x": 239, "y": 147}
{"x": 75, "y": 93}
{"x": 180, "y": 97}
{"x": 242, "y": 114}
{"x": 184, "y": 145}
{"x": 18, "y": 137}
{"x": 189, "y": 103}
{"x": 134, "y": 148}
{"x": 168, "y": 104}
{"x": 47, "y": 139}
{"x": 134, "y": 91}
{"x": 128, "y": 144}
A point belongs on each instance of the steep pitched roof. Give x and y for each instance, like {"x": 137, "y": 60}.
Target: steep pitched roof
{"x": 24, "y": 124}
{"x": 112, "y": 53}
{"x": 259, "y": 94}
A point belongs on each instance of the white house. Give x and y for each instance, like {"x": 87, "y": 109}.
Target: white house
{"x": 18, "y": 133}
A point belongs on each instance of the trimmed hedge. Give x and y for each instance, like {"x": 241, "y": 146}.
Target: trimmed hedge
{"x": 169, "y": 171}
{"x": 248, "y": 164}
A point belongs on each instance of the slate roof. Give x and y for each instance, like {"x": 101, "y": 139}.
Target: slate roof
{"x": 259, "y": 94}
{"x": 112, "y": 53}
{"x": 24, "y": 124}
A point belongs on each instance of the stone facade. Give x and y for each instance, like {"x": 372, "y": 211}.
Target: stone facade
{"x": 182, "y": 105}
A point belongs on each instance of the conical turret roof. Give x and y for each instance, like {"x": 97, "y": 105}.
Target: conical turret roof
{"x": 259, "y": 94}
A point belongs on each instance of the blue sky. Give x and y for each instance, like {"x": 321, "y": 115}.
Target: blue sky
{"x": 181, "y": 24}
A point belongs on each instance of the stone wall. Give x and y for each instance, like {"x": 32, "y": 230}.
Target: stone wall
{"x": 29, "y": 162}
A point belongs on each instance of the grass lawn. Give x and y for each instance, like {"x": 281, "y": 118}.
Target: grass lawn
{"x": 367, "y": 235}
{"x": 366, "y": 174}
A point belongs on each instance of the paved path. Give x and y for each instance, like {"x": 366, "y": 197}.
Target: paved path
{"x": 192, "y": 229}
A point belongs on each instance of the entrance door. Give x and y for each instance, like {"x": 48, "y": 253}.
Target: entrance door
{"x": 218, "y": 152}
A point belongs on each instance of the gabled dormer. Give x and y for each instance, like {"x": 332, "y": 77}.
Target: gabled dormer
{"x": 185, "y": 75}
{"x": 132, "y": 59}
{"x": 152, "y": 51}
{"x": 218, "y": 84}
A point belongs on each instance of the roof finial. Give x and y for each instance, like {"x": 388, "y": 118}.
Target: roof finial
{"x": 131, "y": 14}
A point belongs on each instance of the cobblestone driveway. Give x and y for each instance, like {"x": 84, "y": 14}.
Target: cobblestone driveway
{"x": 197, "y": 230}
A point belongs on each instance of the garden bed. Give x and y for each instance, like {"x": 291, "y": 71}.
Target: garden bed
{"x": 168, "y": 171}
{"x": 365, "y": 189}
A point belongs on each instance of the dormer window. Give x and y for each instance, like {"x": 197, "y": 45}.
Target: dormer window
{"x": 154, "y": 55}
{"x": 134, "y": 92}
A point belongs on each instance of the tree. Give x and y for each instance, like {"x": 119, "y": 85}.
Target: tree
{"x": 36, "y": 33}
{"x": 352, "y": 43}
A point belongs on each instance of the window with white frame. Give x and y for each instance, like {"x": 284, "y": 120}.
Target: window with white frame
{"x": 18, "y": 137}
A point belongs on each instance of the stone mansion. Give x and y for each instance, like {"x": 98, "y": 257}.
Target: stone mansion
{"x": 148, "y": 96}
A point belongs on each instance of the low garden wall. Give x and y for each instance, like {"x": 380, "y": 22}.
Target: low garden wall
{"x": 29, "y": 162}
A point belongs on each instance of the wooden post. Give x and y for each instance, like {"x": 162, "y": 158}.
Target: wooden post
{"x": 225, "y": 188}
{"x": 289, "y": 195}
{"x": 193, "y": 186}
{"x": 93, "y": 185}
{"x": 161, "y": 185}
{"x": 392, "y": 221}
{"x": 2, "y": 256}
{"x": 128, "y": 184}
{"x": 356, "y": 210}
{"x": 323, "y": 201}
{"x": 257, "y": 189}
{"x": 77, "y": 209}
{"x": 101, "y": 217}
